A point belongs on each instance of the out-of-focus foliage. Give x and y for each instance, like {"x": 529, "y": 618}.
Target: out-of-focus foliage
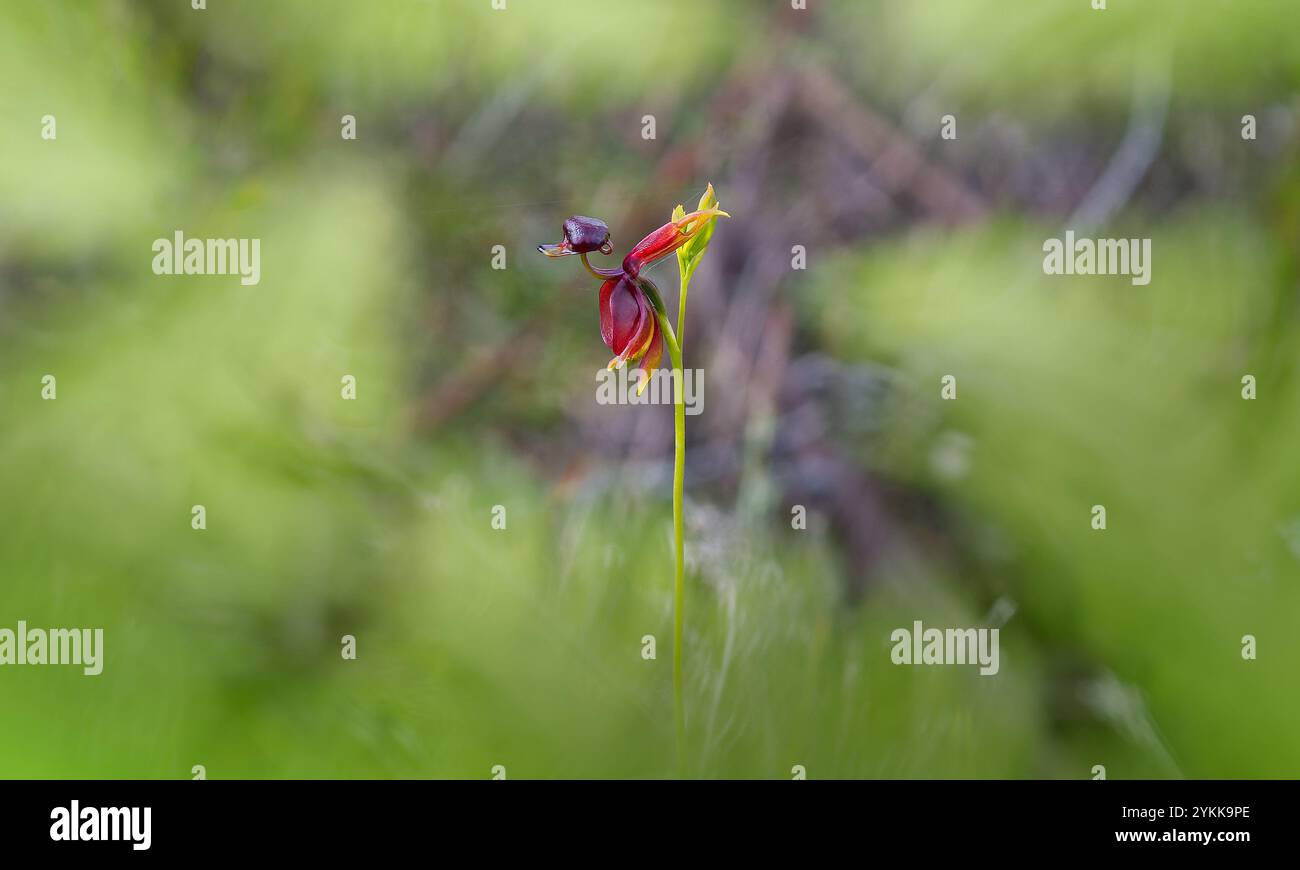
{"x": 523, "y": 647}
{"x": 1087, "y": 390}
{"x": 1053, "y": 57}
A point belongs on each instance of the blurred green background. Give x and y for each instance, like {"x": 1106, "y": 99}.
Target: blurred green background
{"x": 522, "y": 647}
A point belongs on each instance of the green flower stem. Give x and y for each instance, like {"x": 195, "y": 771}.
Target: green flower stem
{"x": 679, "y": 480}
{"x": 684, "y": 280}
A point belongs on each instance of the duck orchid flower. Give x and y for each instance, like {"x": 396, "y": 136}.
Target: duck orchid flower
{"x": 634, "y": 325}
{"x": 631, "y": 310}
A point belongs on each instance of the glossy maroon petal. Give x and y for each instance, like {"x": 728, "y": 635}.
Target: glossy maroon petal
{"x": 606, "y": 314}
{"x": 587, "y": 234}
{"x": 640, "y": 341}
{"x": 627, "y": 313}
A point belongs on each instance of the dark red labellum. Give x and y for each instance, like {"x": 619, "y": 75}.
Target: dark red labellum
{"x": 587, "y": 234}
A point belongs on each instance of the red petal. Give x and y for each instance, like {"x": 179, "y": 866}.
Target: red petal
{"x": 627, "y": 314}
{"x": 606, "y": 314}
{"x": 668, "y": 238}
{"x": 646, "y": 329}
{"x": 655, "y": 246}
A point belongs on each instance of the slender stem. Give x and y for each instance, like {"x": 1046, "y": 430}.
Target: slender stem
{"x": 684, "y": 280}
{"x": 679, "y": 480}
{"x": 679, "y": 577}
